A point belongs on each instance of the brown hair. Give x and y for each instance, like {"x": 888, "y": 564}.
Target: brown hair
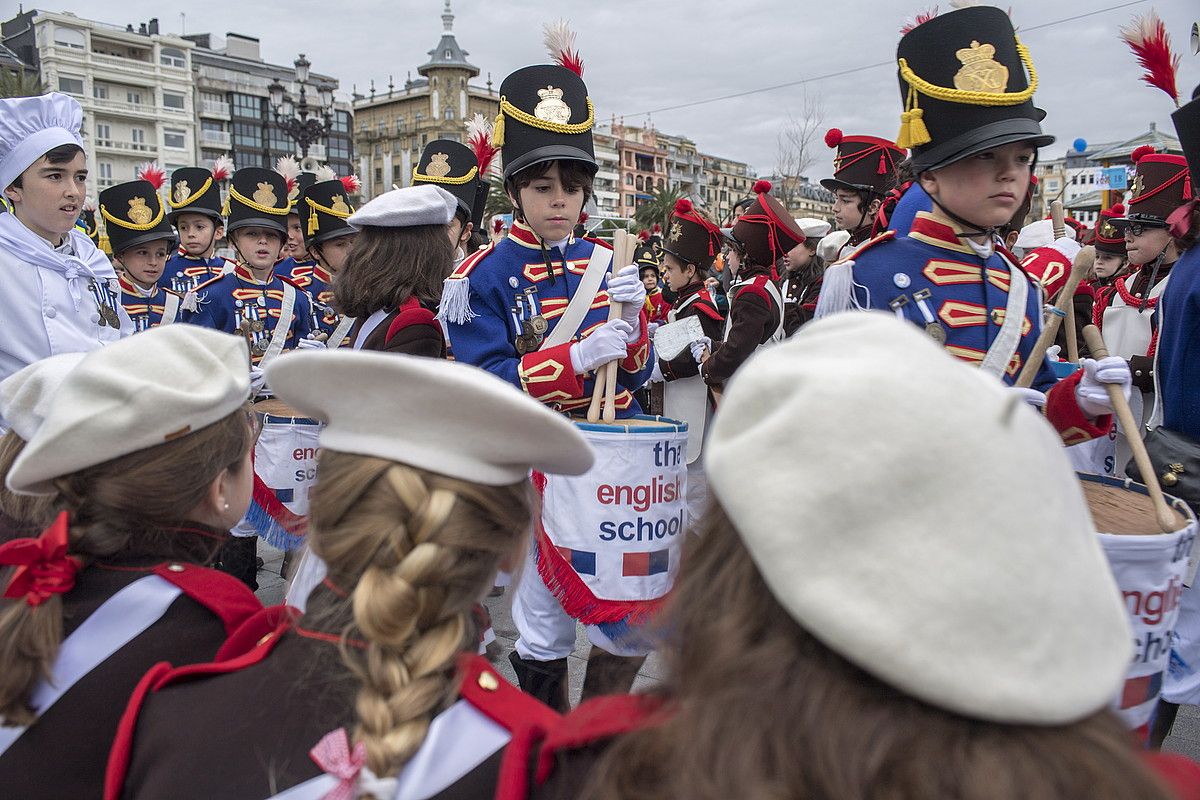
{"x": 419, "y": 550}
{"x": 22, "y": 514}
{"x": 1188, "y": 240}
{"x": 57, "y": 155}
{"x": 762, "y": 709}
{"x": 386, "y": 266}
{"x": 127, "y": 507}
{"x": 573, "y": 175}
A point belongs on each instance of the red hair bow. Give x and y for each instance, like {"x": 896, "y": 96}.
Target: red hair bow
{"x": 43, "y": 567}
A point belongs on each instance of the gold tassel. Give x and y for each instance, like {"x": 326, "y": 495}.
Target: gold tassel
{"x": 913, "y": 132}
{"x": 498, "y": 129}
{"x": 225, "y": 208}
{"x": 313, "y": 223}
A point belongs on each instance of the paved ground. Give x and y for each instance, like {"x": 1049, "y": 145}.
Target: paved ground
{"x": 1185, "y": 737}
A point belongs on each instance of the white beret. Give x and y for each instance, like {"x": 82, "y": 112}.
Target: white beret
{"x": 1040, "y": 234}
{"x": 30, "y": 127}
{"x": 831, "y": 244}
{"x": 921, "y": 520}
{"x": 403, "y": 208}
{"x": 26, "y": 395}
{"x": 813, "y": 228}
{"x": 133, "y": 394}
{"x": 440, "y": 416}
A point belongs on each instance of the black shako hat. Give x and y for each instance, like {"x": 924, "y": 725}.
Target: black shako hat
{"x": 545, "y": 115}
{"x": 134, "y": 215}
{"x": 967, "y": 85}
{"x": 692, "y": 237}
{"x": 452, "y": 166}
{"x": 1161, "y": 184}
{"x": 323, "y": 208}
{"x": 257, "y": 198}
{"x": 862, "y": 163}
{"x": 1187, "y": 125}
{"x": 194, "y": 191}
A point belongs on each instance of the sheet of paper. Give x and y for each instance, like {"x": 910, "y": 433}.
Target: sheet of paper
{"x": 673, "y": 338}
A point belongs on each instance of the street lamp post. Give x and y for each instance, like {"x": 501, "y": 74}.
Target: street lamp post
{"x": 304, "y": 123}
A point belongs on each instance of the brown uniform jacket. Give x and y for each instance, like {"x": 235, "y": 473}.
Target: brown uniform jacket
{"x": 411, "y": 329}
{"x": 694, "y": 300}
{"x": 754, "y": 317}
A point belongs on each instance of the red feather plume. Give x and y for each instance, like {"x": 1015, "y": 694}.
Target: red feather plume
{"x": 762, "y": 187}
{"x": 644, "y": 236}
{"x": 920, "y": 19}
{"x": 560, "y": 41}
{"x": 833, "y": 137}
{"x": 683, "y": 206}
{"x": 1147, "y": 37}
{"x": 657, "y": 228}
{"x": 479, "y": 139}
{"x": 1117, "y": 211}
{"x": 1141, "y": 152}
{"x": 351, "y": 183}
{"x": 153, "y": 173}
{"x": 497, "y": 225}
{"x": 583, "y": 217}
{"x": 222, "y": 169}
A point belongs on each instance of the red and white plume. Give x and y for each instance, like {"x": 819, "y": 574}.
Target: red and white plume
{"x": 289, "y": 169}
{"x": 560, "y": 41}
{"x": 351, "y": 183}
{"x": 479, "y": 139}
{"x": 1147, "y": 37}
{"x": 153, "y": 173}
{"x": 89, "y": 204}
{"x": 326, "y": 173}
{"x": 222, "y": 168}
{"x": 920, "y": 19}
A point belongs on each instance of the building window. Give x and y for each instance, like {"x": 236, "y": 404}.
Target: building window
{"x": 449, "y": 54}
{"x": 628, "y": 179}
{"x": 396, "y": 173}
{"x": 628, "y": 199}
{"x": 378, "y": 150}
{"x": 247, "y": 105}
{"x": 99, "y": 91}
{"x": 278, "y": 140}
{"x": 173, "y": 100}
{"x": 103, "y": 132}
{"x": 70, "y": 85}
{"x": 341, "y": 122}
{"x": 339, "y": 149}
{"x": 105, "y": 168}
{"x": 399, "y": 125}
{"x": 133, "y": 97}
{"x": 174, "y": 138}
{"x": 660, "y": 183}
{"x": 247, "y": 135}
{"x": 448, "y": 113}
{"x": 172, "y": 57}
{"x": 641, "y": 183}
{"x": 69, "y": 37}
{"x": 418, "y": 117}
{"x": 137, "y": 135}
{"x": 212, "y": 125}
{"x": 378, "y": 175}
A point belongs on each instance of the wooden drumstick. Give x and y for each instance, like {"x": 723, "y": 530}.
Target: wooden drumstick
{"x": 621, "y": 257}
{"x": 1057, "y": 222}
{"x": 1167, "y": 519}
{"x": 600, "y": 378}
{"x": 1084, "y": 260}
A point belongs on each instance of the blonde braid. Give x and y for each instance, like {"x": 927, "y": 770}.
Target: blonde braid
{"x": 419, "y": 549}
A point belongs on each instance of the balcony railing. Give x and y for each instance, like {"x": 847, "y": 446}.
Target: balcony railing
{"x": 133, "y": 147}
{"x": 214, "y": 108}
{"x": 317, "y": 151}
{"x": 215, "y": 138}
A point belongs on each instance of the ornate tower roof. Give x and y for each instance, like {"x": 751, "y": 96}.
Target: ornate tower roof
{"x": 448, "y": 54}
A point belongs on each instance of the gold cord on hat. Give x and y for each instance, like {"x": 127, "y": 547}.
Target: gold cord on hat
{"x": 234, "y": 194}
{"x": 535, "y": 122}
{"x": 133, "y": 226}
{"x": 912, "y": 125}
{"x": 314, "y": 223}
{"x": 193, "y": 197}
{"x": 471, "y": 173}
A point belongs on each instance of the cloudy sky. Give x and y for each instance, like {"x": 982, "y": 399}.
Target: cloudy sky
{"x": 645, "y": 57}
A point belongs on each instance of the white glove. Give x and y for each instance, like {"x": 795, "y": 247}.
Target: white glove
{"x": 700, "y": 348}
{"x": 310, "y": 344}
{"x": 1054, "y": 352}
{"x": 1032, "y": 396}
{"x": 258, "y": 380}
{"x": 1091, "y": 393}
{"x": 656, "y": 375}
{"x": 627, "y": 288}
{"x": 605, "y": 344}
{"x": 651, "y": 328}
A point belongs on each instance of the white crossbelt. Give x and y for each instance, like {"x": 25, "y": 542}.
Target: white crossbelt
{"x": 170, "y": 308}
{"x": 581, "y": 301}
{"x": 282, "y": 327}
{"x": 1005, "y": 345}
{"x": 339, "y": 333}
{"x": 119, "y": 620}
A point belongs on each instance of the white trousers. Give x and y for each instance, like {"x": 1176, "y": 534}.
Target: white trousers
{"x": 1182, "y": 681}
{"x": 697, "y": 495}
{"x": 546, "y": 632}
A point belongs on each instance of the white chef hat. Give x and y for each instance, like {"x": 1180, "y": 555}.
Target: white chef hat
{"x": 813, "y": 228}
{"x": 440, "y": 416}
{"x": 404, "y": 208}
{"x": 25, "y": 396}
{"x": 30, "y": 127}
{"x": 1040, "y": 233}
{"x": 922, "y": 521}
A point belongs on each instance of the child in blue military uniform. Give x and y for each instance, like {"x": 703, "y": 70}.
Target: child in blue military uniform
{"x": 323, "y": 208}
{"x": 141, "y": 239}
{"x": 294, "y": 255}
{"x": 269, "y": 310}
{"x": 195, "y": 203}
{"x": 503, "y": 308}
{"x": 950, "y": 274}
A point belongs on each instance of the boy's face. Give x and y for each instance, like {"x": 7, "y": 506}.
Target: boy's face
{"x": 1107, "y": 264}
{"x": 846, "y": 209}
{"x": 676, "y": 274}
{"x": 197, "y": 234}
{"x": 459, "y": 231}
{"x": 50, "y": 196}
{"x": 985, "y": 188}
{"x": 294, "y": 248}
{"x": 258, "y": 247}
{"x": 649, "y": 279}
{"x": 1144, "y": 246}
{"x": 551, "y": 209}
{"x": 144, "y": 262}
{"x": 799, "y": 256}
{"x": 333, "y": 253}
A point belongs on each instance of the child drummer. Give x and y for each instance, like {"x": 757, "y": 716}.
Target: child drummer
{"x": 195, "y": 211}
{"x": 141, "y": 239}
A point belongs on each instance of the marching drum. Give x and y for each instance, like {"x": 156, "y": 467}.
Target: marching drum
{"x": 1151, "y": 569}
{"x": 285, "y": 468}
{"x": 609, "y": 540}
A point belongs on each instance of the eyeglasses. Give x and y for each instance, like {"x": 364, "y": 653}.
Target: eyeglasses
{"x": 1138, "y": 228}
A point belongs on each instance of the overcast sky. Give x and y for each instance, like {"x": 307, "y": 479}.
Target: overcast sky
{"x": 642, "y": 56}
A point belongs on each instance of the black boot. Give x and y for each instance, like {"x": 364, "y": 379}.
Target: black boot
{"x": 609, "y": 674}
{"x": 544, "y": 680}
{"x": 1161, "y": 723}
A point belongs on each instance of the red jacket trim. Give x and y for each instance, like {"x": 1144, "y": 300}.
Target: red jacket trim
{"x": 547, "y": 375}
{"x": 637, "y": 353}
{"x": 1064, "y": 413}
{"x": 600, "y": 242}
{"x": 470, "y": 262}
{"x": 1179, "y": 773}
{"x": 411, "y": 312}
{"x": 506, "y": 705}
{"x": 595, "y": 721}
{"x": 222, "y": 594}
{"x": 122, "y": 747}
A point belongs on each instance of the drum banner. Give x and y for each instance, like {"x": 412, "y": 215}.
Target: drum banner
{"x": 609, "y": 541}
{"x": 285, "y": 468}
{"x": 1149, "y": 570}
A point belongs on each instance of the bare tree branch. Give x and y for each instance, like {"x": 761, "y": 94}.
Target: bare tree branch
{"x": 798, "y": 147}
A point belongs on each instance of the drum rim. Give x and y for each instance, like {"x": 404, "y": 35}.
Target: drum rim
{"x": 667, "y": 425}
{"x": 1140, "y": 488}
{"x": 283, "y": 420}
